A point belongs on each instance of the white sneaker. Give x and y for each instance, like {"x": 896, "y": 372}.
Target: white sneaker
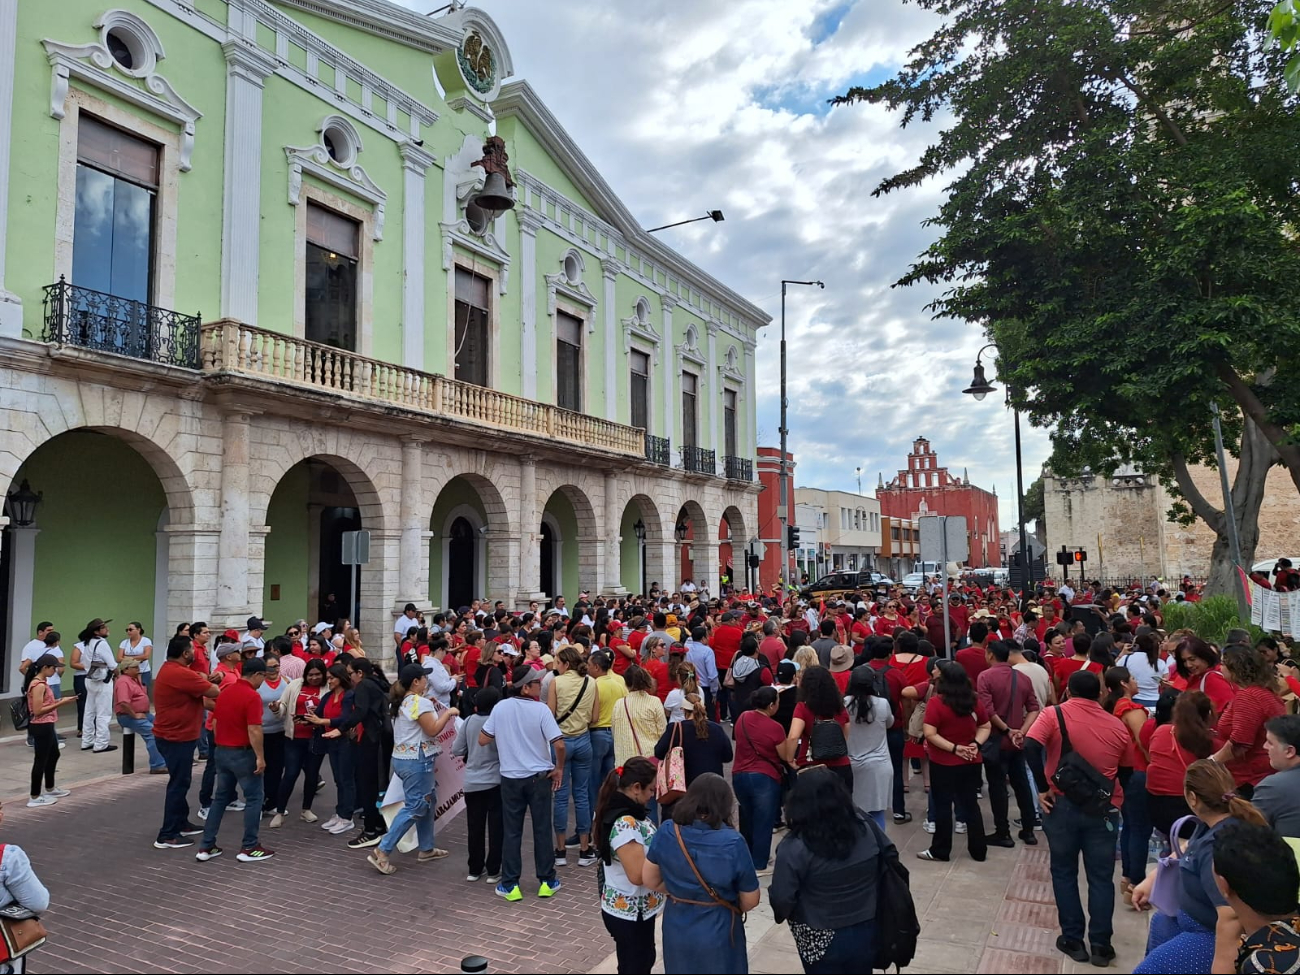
{"x": 928, "y": 826}
{"x": 276, "y": 822}
{"x": 330, "y": 823}
{"x": 236, "y": 806}
{"x": 203, "y": 812}
{"x": 62, "y": 745}
{"x": 41, "y": 801}
{"x": 307, "y": 816}
{"x": 343, "y": 826}
{"x": 960, "y": 827}
{"x": 57, "y": 793}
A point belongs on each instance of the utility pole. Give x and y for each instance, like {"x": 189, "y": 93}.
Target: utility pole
{"x": 783, "y": 502}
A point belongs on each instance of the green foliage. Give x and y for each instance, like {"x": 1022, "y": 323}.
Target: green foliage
{"x": 1284, "y": 24}
{"x": 1035, "y": 507}
{"x": 1211, "y": 619}
{"x": 1121, "y": 213}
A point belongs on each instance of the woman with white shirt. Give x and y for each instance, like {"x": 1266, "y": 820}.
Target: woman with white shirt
{"x": 416, "y": 725}
{"x": 1143, "y": 663}
{"x": 139, "y": 647}
{"x": 688, "y": 683}
{"x": 440, "y": 684}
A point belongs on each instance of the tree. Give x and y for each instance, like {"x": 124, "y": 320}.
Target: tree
{"x": 1035, "y": 508}
{"x": 1121, "y": 221}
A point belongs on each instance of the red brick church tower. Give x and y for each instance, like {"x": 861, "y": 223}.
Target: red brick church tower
{"x": 926, "y": 488}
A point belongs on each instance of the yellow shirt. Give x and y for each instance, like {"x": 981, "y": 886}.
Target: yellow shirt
{"x": 639, "y": 720}
{"x": 612, "y": 688}
{"x": 567, "y": 687}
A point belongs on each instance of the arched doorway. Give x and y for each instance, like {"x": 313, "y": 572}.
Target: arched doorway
{"x": 733, "y": 569}
{"x": 92, "y": 549}
{"x": 311, "y": 508}
{"x": 570, "y": 560}
{"x": 642, "y": 547}
{"x": 689, "y": 530}
{"x": 549, "y": 548}
{"x": 462, "y": 559}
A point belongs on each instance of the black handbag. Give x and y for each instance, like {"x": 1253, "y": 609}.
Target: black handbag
{"x": 1078, "y": 781}
{"x": 20, "y": 713}
{"x": 826, "y": 741}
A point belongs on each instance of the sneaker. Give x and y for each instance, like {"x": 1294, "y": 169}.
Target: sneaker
{"x": 1005, "y": 842}
{"x": 511, "y": 893}
{"x": 928, "y": 826}
{"x": 1075, "y": 949}
{"x": 106, "y": 748}
{"x": 307, "y": 816}
{"x": 57, "y": 793}
{"x": 587, "y": 857}
{"x": 176, "y": 843}
{"x": 365, "y": 841}
{"x": 62, "y": 745}
{"x": 473, "y": 878}
{"x": 979, "y": 793}
{"x": 424, "y": 856}
{"x": 561, "y": 858}
{"x": 330, "y": 823}
{"x": 765, "y": 872}
{"x": 549, "y": 889}
{"x": 208, "y": 853}
{"x": 203, "y": 813}
{"x": 86, "y": 748}
{"x": 254, "y": 854}
{"x": 901, "y": 818}
{"x": 1037, "y": 824}
{"x": 41, "y": 801}
{"x": 493, "y": 879}
{"x": 192, "y": 830}
{"x": 379, "y": 860}
{"x": 343, "y": 826}
{"x": 276, "y": 821}
{"x": 572, "y": 841}
{"x": 236, "y": 806}
{"x": 960, "y": 827}
{"x": 1028, "y": 838}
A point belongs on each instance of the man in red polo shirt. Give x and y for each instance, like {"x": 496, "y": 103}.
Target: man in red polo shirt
{"x": 237, "y": 736}
{"x": 180, "y": 694}
{"x": 973, "y": 658}
{"x": 1102, "y": 740}
{"x": 725, "y": 643}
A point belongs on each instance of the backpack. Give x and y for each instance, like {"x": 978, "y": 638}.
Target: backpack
{"x": 897, "y": 924}
{"x": 826, "y": 741}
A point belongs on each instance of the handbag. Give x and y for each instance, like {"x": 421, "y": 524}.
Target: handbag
{"x": 20, "y": 713}
{"x": 916, "y": 720}
{"x": 1078, "y": 781}
{"x": 991, "y": 750}
{"x": 1166, "y": 889}
{"x": 670, "y": 779}
{"x": 21, "y": 930}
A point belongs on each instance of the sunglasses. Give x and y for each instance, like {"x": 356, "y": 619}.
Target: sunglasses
{"x": 293, "y": 632}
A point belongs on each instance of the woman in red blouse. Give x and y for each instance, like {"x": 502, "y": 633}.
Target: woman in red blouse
{"x": 1241, "y": 725}
{"x": 1121, "y": 686}
{"x": 1175, "y": 746}
{"x": 809, "y": 742}
{"x": 1063, "y": 667}
{"x": 955, "y": 728}
{"x": 1198, "y": 665}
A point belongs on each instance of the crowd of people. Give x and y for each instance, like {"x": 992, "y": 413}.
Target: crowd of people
{"x": 686, "y": 747}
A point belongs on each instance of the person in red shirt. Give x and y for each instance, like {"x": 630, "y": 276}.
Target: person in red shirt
{"x": 179, "y": 694}
{"x": 772, "y": 646}
{"x": 758, "y": 773}
{"x": 228, "y": 662}
{"x": 960, "y": 613}
{"x": 820, "y": 703}
{"x": 1171, "y": 748}
{"x": 1241, "y": 725}
{"x": 725, "y": 641}
{"x": 624, "y": 652}
{"x": 239, "y": 759}
{"x": 973, "y": 658}
{"x": 1121, "y": 687}
{"x": 955, "y": 728}
{"x": 654, "y": 653}
{"x": 1064, "y": 667}
{"x": 1197, "y": 663}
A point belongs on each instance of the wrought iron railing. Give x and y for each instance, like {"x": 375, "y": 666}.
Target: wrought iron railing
{"x": 657, "y": 449}
{"x": 106, "y": 323}
{"x": 738, "y": 468}
{"x": 697, "y": 460}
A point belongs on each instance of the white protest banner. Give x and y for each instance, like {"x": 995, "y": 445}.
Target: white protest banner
{"x": 1272, "y": 610}
{"x": 1256, "y": 604}
{"x": 449, "y": 788}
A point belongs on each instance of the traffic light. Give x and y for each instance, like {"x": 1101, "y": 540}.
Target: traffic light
{"x": 1080, "y": 555}
{"x": 754, "y": 562}
{"x": 791, "y": 536}
{"x": 1064, "y": 557}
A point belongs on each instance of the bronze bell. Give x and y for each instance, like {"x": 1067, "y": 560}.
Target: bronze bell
{"x": 495, "y": 199}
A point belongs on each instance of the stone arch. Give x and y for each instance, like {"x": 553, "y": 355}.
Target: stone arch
{"x": 580, "y": 569}
{"x": 697, "y": 547}
{"x": 351, "y": 465}
{"x": 733, "y": 545}
{"x": 635, "y": 553}
{"x": 472, "y": 497}
{"x": 496, "y": 513}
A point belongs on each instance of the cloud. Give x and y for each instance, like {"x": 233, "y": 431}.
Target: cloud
{"x": 687, "y": 107}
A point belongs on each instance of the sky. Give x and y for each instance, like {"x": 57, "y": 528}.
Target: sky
{"x": 686, "y": 107}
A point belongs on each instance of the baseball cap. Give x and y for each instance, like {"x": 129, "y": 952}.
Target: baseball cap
{"x": 257, "y": 623}
{"x": 531, "y": 676}
{"x": 409, "y": 674}
{"x": 228, "y": 648}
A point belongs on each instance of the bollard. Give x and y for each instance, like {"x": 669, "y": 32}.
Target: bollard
{"x": 474, "y": 963}
{"x": 128, "y": 751}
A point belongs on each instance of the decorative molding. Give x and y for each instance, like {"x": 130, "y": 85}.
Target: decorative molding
{"x": 688, "y": 350}
{"x": 93, "y": 64}
{"x": 431, "y": 34}
{"x": 669, "y": 302}
{"x": 729, "y": 368}
{"x": 463, "y": 103}
{"x": 246, "y": 72}
{"x": 414, "y": 159}
{"x": 576, "y": 291}
{"x": 610, "y": 269}
{"x": 486, "y": 246}
{"x": 315, "y": 160}
{"x": 472, "y": 23}
{"x": 530, "y": 221}
{"x": 641, "y": 328}
{"x": 246, "y": 62}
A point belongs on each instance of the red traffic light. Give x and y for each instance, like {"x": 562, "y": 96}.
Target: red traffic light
{"x": 1080, "y": 555}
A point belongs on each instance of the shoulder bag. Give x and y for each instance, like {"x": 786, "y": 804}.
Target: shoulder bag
{"x": 636, "y": 739}
{"x": 916, "y": 721}
{"x": 20, "y": 710}
{"x": 1166, "y": 890}
{"x": 21, "y": 930}
{"x": 826, "y": 741}
{"x": 1078, "y": 781}
{"x": 716, "y": 900}
{"x": 784, "y": 772}
{"x": 991, "y": 750}
{"x": 576, "y": 701}
{"x": 670, "y": 780}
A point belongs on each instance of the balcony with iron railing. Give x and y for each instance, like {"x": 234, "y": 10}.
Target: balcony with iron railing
{"x": 697, "y": 460}
{"x": 738, "y": 468}
{"x": 657, "y": 450}
{"x": 102, "y": 322}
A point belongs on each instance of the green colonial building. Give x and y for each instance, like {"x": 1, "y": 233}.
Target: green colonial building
{"x": 272, "y": 271}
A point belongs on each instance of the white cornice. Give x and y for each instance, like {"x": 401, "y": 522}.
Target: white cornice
{"x": 520, "y": 100}
{"x": 352, "y": 179}
{"x": 384, "y": 19}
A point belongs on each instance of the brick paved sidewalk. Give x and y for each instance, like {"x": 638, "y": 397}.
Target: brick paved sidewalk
{"x": 120, "y": 906}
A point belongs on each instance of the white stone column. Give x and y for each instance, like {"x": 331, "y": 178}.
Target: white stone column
{"x": 415, "y": 163}
{"x": 669, "y": 368}
{"x": 610, "y": 270}
{"x": 529, "y": 549}
{"x": 11, "y": 306}
{"x": 22, "y": 575}
{"x": 704, "y": 562}
{"x": 192, "y": 574}
{"x": 233, "y": 554}
{"x": 714, "y": 394}
{"x": 529, "y": 223}
{"x": 613, "y": 581}
{"x": 247, "y": 69}
{"x": 378, "y": 581}
{"x": 413, "y": 556}
{"x": 749, "y": 443}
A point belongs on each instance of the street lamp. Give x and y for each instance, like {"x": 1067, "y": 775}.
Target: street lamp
{"x": 784, "y": 503}
{"x": 858, "y": 471}
{"x": 714, "y": 215}
{"x": 638, "y": 530}
{"x": 22, "y": 505}
{"x": 979, "y": 388}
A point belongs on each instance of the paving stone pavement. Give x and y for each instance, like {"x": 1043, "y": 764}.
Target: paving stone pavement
{"x": 119, "y": 906}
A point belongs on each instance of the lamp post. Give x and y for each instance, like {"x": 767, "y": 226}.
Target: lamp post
{"x": 858, "y": 471}
{"x": 979, "y": 388}
{"x": 783, "y": 502}
{"x": 22, "y": 505}
{"x": 714, "y": 215}
{"x": 679, "y": 533}
{"x": 639, "y": 531}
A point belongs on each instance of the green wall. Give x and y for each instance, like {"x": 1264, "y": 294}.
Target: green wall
{"x": 561, "y": 509}
{"x": 457, "y": 492}
{"x": 97, "y": 547}
{"x": 288, "y": 548}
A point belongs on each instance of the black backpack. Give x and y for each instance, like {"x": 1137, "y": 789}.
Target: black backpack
{"x": 897, "y": 926}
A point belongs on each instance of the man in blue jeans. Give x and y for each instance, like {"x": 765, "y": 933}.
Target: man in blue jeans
{"x": 239, "y": 758}
{"x": 180, "y": 695}
{"x": 525, "y": 732}
{"x": 1102, "y": 740}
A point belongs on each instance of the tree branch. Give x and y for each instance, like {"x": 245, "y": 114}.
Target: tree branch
{"x": 1158, "y": 110}
{"x": 1250, "y": 405}
{"x": 1209, "y": 514}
